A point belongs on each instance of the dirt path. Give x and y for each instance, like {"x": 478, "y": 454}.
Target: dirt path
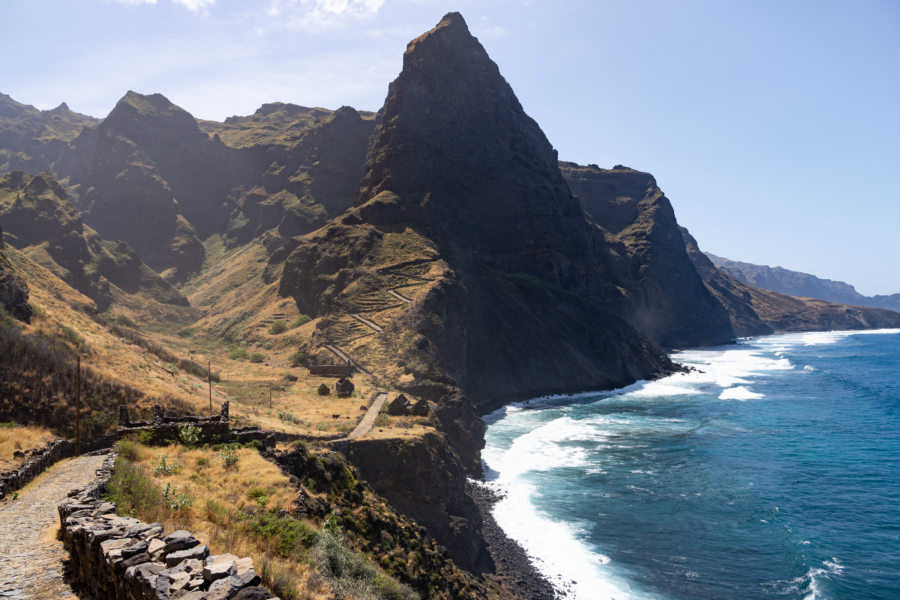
{"x": 367, "y": 322}
{"x": 399, "y": 296}
{"x": 30, "y": 555}
{"x": 345, "y": 357}
{"x": 365, "y": 426}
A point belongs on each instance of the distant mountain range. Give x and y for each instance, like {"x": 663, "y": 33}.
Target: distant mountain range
{"x": 795, "y": 283}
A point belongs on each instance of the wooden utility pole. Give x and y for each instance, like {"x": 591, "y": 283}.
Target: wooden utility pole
{"x": 78, "y": 406}
{"x": 209, "y": 381}
{"x": 270, "y": 396}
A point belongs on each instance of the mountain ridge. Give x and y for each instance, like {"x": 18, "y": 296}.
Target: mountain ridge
{"x": 797, "y": 283}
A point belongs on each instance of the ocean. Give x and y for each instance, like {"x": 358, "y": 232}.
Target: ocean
{"x": 770, "y": 472}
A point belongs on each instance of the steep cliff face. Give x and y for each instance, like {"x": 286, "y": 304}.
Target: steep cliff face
{"x": 39, "y": 218}
{"x": 13, "y": 289}
{"x": 421, "y": 478}
{"x": 667, "y": 300}
{"x": 35, "y": 140}
{"x": 755, "y": 311}
{"x": 470, "y": 179}
{"x": 463, "y": 196}
{"x": 310, "y": 160}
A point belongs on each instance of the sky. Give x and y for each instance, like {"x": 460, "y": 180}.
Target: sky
{"x": 773, "y": 126}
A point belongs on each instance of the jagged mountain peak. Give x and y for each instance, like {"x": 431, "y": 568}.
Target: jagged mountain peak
{"x": 135, "y": 110}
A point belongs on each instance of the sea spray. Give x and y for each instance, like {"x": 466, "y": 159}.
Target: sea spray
{"x": 769, "y": 472}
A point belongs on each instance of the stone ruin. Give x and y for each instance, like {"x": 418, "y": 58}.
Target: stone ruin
{"x": 402, "y": 406}
{"x": 399, "y": 406}
{"x": 324, "y": 390}
{"x": 166, "y": 427}
{"x": 344, "y": 388}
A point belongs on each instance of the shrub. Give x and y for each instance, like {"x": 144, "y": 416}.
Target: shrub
{"x": 238, "y": 354}
{"x": 127, "y": 322}
{"x": 164, "y": 468}
{"x": 291, "y": 537}
{"x": 260, "y": 495}
{"x": 229, "y": 457}
{"x": 297, "y": 358}
{"x": 288, "y": 417}
{"x": 202, "y": 462}
{"x": 176, "y": 500}
{"x": 278, "y": 326}
{"x": 352, "y": 575}
{"x": 132, "y": 491}
{"x": 128, "y": 450}
{"x": 257, "y": 357}
{"x": 189, "y": 435}
{"x": 300, "y": 320}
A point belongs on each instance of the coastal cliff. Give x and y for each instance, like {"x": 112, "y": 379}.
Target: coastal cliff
{"x": 755, "y": 311}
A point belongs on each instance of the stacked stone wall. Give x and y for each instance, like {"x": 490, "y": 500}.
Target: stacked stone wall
{"x": 122, "y": 558}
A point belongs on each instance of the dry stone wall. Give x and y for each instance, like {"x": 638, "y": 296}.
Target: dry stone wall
{"x": 123, "y": 558}
{"x": 39, "y": 459}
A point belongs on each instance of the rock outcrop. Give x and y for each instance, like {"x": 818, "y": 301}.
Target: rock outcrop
{"x": 40, "y": 219}
{"x": 521, "y": 302}
{"x": 666, "y": 298}
{"x": 13, "y": 289}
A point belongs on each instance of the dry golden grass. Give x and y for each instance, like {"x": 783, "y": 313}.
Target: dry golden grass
{"x": 220, "y": 496}
{"x": 20, "y": 438}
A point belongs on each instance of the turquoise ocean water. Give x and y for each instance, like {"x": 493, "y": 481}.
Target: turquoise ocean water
{"x": 773, "y": 472}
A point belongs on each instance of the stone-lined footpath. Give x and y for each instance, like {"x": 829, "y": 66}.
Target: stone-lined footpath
{"x": 31, "y": 558}
{"x": 122, "y": 558}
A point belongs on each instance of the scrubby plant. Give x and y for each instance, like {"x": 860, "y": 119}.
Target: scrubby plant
{"x": 288, "y": 417}
{"x": 126, "y": 321}
{"x": 238, "y": 354}
{"x": 257, "y": 357}
{"x": 165, "y": 468}
{"x": 176, "y": 500}
{"x": 189, "y": 435}
{"x": 229, "y": 457}
{"x": 300, "y": 320}
{"x": 278, "y": 326}
{"x": 297, "y": 358}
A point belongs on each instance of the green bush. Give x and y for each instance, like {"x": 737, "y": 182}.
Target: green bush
{"x": 164, "y": 468}
{"x": 297, "y": 358}
{"x": 352, "y": 575}
{"x": 132, "y": 491}
{"x": 291, "y": 537}
{"x": 301, "y": 320}
{"x": 189, "y": 435}
{"x": 257, "y": 357}
{"x": 238, "y": 354}
{"x": 229, "y": 457}
{"x": 277, "y": 327}
{"x": 127, "y": 449}
{"x": 127, "y": 322}
{"x": 176, "y": 500}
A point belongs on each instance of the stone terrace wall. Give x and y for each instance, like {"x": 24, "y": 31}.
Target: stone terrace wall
{"x": 42, "y": 458}
{"x": 122, "y": 558}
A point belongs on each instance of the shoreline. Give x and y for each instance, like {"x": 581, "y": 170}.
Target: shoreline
{"x": 513, "y": 569}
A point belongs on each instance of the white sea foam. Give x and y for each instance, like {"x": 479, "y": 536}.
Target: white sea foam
{"x": 739, "y": 393}
{"x": 575, "y": 569}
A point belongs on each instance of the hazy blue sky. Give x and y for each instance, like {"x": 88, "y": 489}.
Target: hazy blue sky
{"x": 773, "y": 126}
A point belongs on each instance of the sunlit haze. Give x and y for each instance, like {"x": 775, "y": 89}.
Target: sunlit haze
{"x": 772, "y": 126}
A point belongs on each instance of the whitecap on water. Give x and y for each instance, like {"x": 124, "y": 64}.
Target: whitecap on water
{"x": 739, "y": 393}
